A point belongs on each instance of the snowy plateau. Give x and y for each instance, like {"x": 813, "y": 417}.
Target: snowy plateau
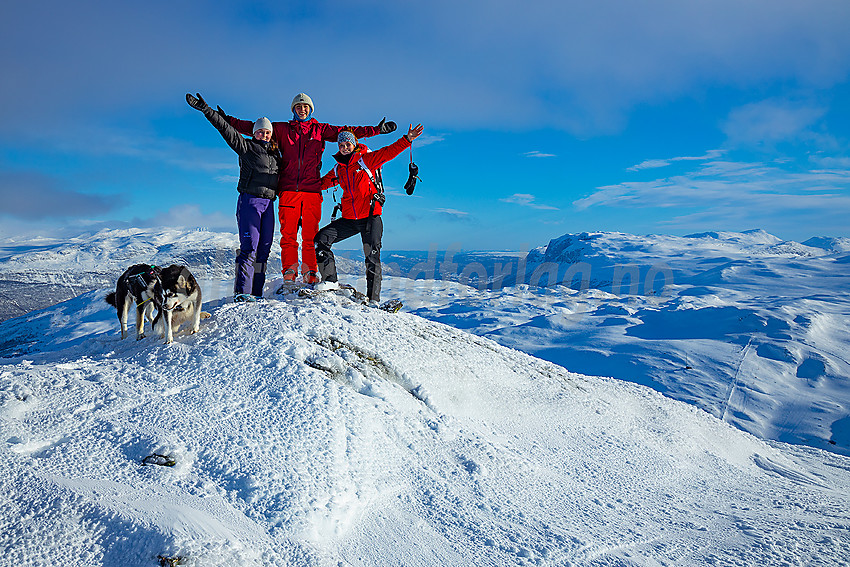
{"x": 605, "y": 400}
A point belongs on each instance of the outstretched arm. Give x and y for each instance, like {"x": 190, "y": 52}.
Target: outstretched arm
{"x": 230, "y": 135}
{"x": 385, "y": 154}
{"x": 414, "y": 132}
{"x": 330, "y": 133}
{"x": 242, "y": 126}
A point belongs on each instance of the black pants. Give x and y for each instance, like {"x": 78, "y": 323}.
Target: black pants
{"x": 371, "y": 230}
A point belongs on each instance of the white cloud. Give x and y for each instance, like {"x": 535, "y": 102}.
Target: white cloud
{"x": 772, "y": 121}
{"x": 593, "y": 61}
{"x": 537, "y": 154}
{"x": 188, "y": 216}
{"x": 453, "y": 214}
{"x": 428, "y": 139}
{"x": 747, "y": 194}
{"x": 527, "y": 200}
{"x": 658, "y": 163}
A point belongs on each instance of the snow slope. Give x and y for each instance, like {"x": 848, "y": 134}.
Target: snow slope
{"x": 751, "y": 329}
{"x": 39, "y": 273}
{"x": 745, "y": 326}
{"x": 327, "y": 433}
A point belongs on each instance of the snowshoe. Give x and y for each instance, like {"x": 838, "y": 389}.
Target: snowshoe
{"x": 344, "y": 289}
{"x": 391, "y": 306}
{"x": 290, "y": 286}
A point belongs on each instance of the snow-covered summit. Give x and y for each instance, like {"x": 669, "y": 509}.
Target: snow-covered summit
{"x": 646, "y": 263}
{"x": 746, "y": 329}
{"x": 327, "y": 433}
{"x": 110, "y": 248}
{"x": 829, "y": 243}
{"x": 755, "y": 237}
{"x": 38, "y": 273}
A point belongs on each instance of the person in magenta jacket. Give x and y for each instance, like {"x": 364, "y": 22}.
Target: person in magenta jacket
{"x": 361, "y": 211}
{"x": 302, "y": 141}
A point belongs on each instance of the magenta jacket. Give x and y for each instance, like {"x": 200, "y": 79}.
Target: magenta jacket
{"x": 302, "y": 144}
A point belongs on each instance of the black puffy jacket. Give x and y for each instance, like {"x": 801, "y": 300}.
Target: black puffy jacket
{"x": 259, "y": 163}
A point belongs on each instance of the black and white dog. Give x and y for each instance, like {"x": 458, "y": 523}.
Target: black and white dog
{"x": 139, "y": 284}
{"x": 181, "y": 302}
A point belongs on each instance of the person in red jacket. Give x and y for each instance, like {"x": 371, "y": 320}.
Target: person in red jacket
{"x": 360, "y": 206}
{"x": 302, "y": 141}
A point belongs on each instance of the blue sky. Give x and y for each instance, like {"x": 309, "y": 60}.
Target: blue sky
{"x": 541, "y": 118}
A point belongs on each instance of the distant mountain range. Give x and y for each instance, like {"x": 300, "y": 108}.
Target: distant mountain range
{"x": 749, "y": 328}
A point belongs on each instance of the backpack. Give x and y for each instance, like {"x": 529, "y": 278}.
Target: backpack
{"x": 376, "y": 180}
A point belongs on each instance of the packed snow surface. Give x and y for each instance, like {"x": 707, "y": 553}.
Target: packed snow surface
{"x": 751, "y": 329}
{"x": 323, "y": 432}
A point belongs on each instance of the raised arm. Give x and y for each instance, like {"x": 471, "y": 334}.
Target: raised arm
{"x": 385, "y": 154}
{"x": 330, "y": 133}
{"x": 228, "y": 132}
{"x": 242, "y": 126}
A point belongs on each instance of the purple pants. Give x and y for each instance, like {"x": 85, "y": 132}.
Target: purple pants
{"x": 255, "y": 219}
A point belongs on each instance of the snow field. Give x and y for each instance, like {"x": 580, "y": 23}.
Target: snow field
{"x": 746, "y": 327}
{"x": 321, "y": 432}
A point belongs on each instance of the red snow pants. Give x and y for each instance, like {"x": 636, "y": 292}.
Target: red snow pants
{"x": 296, "y": 208}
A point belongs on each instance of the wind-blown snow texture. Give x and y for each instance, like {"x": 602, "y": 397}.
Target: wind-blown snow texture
{"x": 751, "y": 329}
{"x": 328, "y": 433}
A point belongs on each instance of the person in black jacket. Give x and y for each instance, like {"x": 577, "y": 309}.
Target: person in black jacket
{"x": 259, "y": 165}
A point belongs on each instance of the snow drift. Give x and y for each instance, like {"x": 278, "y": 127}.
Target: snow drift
{"x": 327, "y": 433}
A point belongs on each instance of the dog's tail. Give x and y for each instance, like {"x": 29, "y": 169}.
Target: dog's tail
{"x": 110, "y": 299}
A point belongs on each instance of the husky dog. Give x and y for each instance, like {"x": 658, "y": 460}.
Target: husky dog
{"x": 139, "y": 284}
{"x": 181, "y": 302}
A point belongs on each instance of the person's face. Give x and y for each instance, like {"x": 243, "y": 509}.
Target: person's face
{"x": 302, "y": 110}
{"x": 263, "y": 135}
{"x": 346, "y": 148}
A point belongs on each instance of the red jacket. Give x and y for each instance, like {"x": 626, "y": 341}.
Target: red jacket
{"x": 302, "y": 144}
{"x": 357, "y": 188}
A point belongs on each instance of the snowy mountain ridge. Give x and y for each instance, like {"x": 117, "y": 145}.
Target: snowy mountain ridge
{"x": 749, "y": 328}
{"x": 321, "y": 432}
{"x": 612, "y": 260}
{"x": 36, "y": 273}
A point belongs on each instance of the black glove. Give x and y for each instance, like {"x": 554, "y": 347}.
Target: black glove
{"x": 221, "y": 113}
{"x": 385, "y": 127}
{"x": 411, "y": 179}
{"x": 197, "y": 103}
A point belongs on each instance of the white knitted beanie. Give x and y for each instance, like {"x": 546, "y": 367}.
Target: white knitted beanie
{"x": 302, "y": 98}
{"x": 263, "y": 124}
